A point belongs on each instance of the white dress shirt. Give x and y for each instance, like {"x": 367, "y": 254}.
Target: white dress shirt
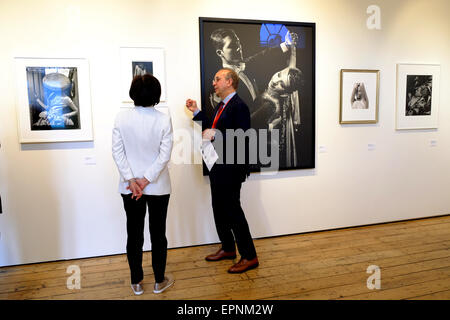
{"x": 141, "y": 147}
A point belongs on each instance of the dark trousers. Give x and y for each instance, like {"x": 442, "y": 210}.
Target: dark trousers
{"x": 231, "y": 224}
{"x": 135, "y": 211}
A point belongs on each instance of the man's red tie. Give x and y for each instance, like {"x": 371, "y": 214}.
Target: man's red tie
{"x": 219, "y": 112}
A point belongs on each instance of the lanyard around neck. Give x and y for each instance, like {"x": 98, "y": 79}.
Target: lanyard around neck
{"x": 219, "y": 112}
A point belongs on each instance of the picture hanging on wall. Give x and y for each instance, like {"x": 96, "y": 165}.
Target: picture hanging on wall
{"x": 417, "y": 96}
{"x": 139, "y": 61}
{"x": 359, "y": 96}
{"x": 275, "y": 62}
{"x": 53, "y": 100}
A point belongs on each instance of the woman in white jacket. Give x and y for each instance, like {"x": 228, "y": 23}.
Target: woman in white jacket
{"x": 141, "y": 147}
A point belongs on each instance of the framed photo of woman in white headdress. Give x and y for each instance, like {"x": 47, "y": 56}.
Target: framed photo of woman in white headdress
{"x": 359, "y": 96}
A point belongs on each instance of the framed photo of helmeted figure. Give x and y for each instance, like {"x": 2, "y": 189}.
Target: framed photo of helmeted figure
{"x": 53, "y": 100}
{"x": 275, "y": 62}
{"x": 417, "y": 96}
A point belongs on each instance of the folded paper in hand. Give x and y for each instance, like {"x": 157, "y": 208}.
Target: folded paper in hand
{"x": 209, "y": 154}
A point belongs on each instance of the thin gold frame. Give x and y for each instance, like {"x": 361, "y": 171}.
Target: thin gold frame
{"x": 341, "y": 121}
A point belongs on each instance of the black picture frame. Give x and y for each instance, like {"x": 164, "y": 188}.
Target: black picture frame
{"x": 271, "y": 50}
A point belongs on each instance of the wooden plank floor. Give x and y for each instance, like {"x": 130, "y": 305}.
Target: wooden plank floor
{"x": 413, "y": 257}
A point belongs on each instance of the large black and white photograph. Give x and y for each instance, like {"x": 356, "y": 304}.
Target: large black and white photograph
{"x": 417, "y": 96}
{"x": 275, "y": 62}
{"x": 418, "y": 91}
{"x": 53, "y": 97}
{"x": 359, "y": 96}
{"x": 136, "y": 61}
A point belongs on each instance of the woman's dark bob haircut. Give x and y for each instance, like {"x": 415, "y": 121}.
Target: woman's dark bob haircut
{"x": 145, "y": 90}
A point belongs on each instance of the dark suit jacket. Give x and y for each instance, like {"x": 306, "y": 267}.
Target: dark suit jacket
{"x": 235, "y": 116}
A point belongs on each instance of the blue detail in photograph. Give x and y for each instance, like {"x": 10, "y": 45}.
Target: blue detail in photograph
{"x": 57, "y": 88}
{"x": 272, "y": 35}
{"x": 54, "y": 99}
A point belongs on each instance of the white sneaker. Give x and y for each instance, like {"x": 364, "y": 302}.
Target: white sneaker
{"x": 137, "y": 289}
{"x": 161, "y": 286}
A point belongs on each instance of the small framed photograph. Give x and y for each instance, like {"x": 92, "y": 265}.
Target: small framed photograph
{"x": 139, "y": 61}
{"x": 359, "y": 96}
{"x": 53, "y": 100}
{"x": 417, "y": 96}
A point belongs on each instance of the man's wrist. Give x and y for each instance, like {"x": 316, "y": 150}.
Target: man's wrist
{"x": 132, "y": 180}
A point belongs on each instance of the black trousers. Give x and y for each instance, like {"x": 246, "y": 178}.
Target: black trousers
{"x": 231, "y": 224}
{"x": 135, "y": 211}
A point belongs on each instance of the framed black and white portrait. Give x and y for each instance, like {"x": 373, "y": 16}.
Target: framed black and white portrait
{"x": 359, "y": 96}
{"x": 417, "y": 96}
{"x": 53, "y": 100}
{"x": 275, "y": 62}
{"x": 139, "y": 61}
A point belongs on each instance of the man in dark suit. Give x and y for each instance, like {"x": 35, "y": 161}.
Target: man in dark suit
{"x": 226, "y": 178}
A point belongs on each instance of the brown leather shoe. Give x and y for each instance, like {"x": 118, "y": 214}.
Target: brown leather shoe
{"x": 244, "y": 265}
{"x": 221, "y": 255}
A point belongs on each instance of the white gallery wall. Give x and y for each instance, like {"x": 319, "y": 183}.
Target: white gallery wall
{"x": 60, "y": 200}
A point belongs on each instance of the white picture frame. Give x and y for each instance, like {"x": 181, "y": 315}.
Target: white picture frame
{"x": 417, "y": 97}
{"x": 150, "y": 58}
{"x": 53, "y": 100}
{"x": 359, "y": 96}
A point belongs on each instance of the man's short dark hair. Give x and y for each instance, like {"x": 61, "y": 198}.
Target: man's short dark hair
{"x": 145, "y": 90}
{"x": 218, "y": 36}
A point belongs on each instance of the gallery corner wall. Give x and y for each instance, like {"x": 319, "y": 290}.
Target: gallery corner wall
{"x": 60, "y": 200}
